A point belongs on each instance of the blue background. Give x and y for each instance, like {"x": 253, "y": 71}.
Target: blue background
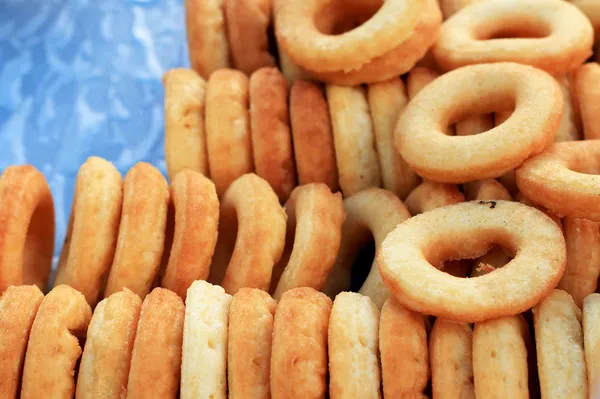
{"x": 81, "y": 78}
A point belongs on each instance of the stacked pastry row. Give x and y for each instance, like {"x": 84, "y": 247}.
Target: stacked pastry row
{"x": 303, "y": 346}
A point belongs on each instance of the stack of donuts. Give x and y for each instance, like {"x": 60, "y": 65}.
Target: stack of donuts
{"x": 248, "y": 275}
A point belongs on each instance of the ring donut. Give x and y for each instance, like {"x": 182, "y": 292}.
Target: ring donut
{"x": 418, "y": 78}
{"x": 354, "y": 345}
{"x": 371, "y": 213}
{"x": 26, "y": 227}
{"x": 312, "y": 135}
{"x": 53, "y": 348}
{"x": 451, "y": 7}
{"x": 249, "y": 338}
{"x": 156, "y": 355}
{"x": 451, "y": 360}
{"x": 591, "y": 338}
{"x": 299, "y": 350}
{"x": 314, "y": 230}
{"x": 386, "y": 102}
{"x": 185, "y": 137}
{"x": 397, "y": 61}
{"x": 91, "y": 239}
{"x": 420, "y": 138}
{"x": 468, "y": 230}
{"x": 18, "y": 307}
{"x": 552, "y": 35}
{"x": 430, "y": 195}
{"x": 570, "y": 124}
{"x": 486, "y": 190}
{"x": 251, "y": 239}
{"x": 300, "y": 27}
{"x": 204, "y": 352}
{"x": 355, "y": 151}
{"x": 563, "y": 179}
{"x": 141, "y": 237}
{"x": 587, "y": 92}
{"x": 104, "y": 367}
{"x": 247, "y": 29}
{"x": 195, "y": 236}
{"x": 271, "y": 137}
{"x": 206, "y": 36}
{"x": 228, "y": 138}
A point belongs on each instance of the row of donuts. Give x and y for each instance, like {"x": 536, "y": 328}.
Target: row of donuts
{"x": 233, "y": 125}
{"x": 345, "y": 45}
{"x": 303, "y": 346}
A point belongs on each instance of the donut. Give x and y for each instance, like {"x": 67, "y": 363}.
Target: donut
{"x": 475, "y": 124}
{"x": 26, "y": 227}
{"x": 314, "y": 231}
{"x": 404, "y": 351}
{"x": 251, "y": 239}
{"x": 420, "y": 137}
{"x": 372, "y": 213}
{"x": 583, "y": 258}
{"x": 18, "y": 308}
{"x": 591, "y": 340}
{"x": 587, "y": 90}
{"x": 386, "y": 102}
{"x": 53, "y": 347}
{"x": 251, "y": 316}
{"x": 500, "y": 358}
{"x": 185, "y": 136}
{"x": 304, "y": 30}
{"x": 104, "y": 367}
{"x": 552, "y": 35}
{"x": 312, "y": 135}
{"x": 430, "y": 195}
{"x": 486, "y": 190}
{"x": 451, "y": 7}
{"x": 525, "y": 201}
{"x": 205, "y": 342}
{"x": 91, "y": 239}
{"x": 418, "y": 78}
{"x": 570, "y": 124}
{"x": 228, "y": 136}
{"x": 397, "y": 61}
{"x": 247, "y": 29}
{"x": 206, "y": 36}
{"x": 562, "y": 179}
{"x": 561, "y": 367}
{"x": 591, "y": 9}
{"x": 156, "y": 355}
{"x": 451, "y": 360}
{"x": 195, "y": 237}
{"x": 141, "y": 235}
{"x": 354, "y": 347}
{"x": 355, "y": 151}
{"x": 407, "y": 257}
{"x": 290, "y": 70}
{"x": 271, "y": 137}
{"x": 299, "y": 349}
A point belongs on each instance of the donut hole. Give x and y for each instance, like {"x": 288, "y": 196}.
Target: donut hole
{"x": 339, "y": 17}
{"x": 491, "y": 112}
{"x": 515, "y": 28}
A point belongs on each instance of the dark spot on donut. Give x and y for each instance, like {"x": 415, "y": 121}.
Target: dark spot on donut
{"x": 491, "y": 204}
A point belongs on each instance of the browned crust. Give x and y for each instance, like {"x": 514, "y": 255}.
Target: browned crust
{"x": 53, "y": 349}
{"x": 141, "y": 231}
{"x": 404, "y": 351}
{"x": 18, "y": 307}
{"x": 185, "y": 138}
{"x": 196, "y": 221}
{"x": 586, "y": 82}
{"x": 91, "y": 239}
{"x": 104, "y": 368}
{"x": 228, "y": 136}
{"x": 26, "y": 227}
{"x": 299, "y": 352}
{"x": 486, "y": 190}
{"x": 315, "y": 218}
{"x": 271, "y": 136}
{"x": 156, "y": 357}
{"x": 249, "y": 350}
{"x": 312, "y": 135}
{"x": 247, "y": 26}
{"x": 252, "y": 235}
{"x": 206, "y": 36}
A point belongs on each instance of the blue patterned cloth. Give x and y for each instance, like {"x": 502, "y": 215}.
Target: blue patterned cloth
{"x": 81, "y": 78}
